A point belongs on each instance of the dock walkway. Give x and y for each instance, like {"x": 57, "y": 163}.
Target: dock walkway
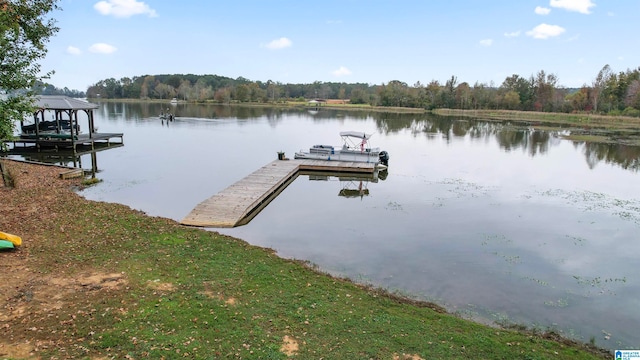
{"x": 240, "y": 202}
{"x": 60, "y": 141}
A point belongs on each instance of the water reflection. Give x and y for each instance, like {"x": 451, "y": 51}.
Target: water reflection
{"x": 136, "y": 111}
{"x": 499, "y": 220}
{"x": 83, "y": 158}
{"x": 351, "y": 185}
{"x": 628, "y": 157}
{"x": 509, "y": 136}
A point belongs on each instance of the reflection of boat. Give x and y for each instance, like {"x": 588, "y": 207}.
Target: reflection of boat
{"x": 355, "y": 149}
{"x": 354, "y": 189}
{"x": 353, "y": 185}
{"x": 167, "y": 116}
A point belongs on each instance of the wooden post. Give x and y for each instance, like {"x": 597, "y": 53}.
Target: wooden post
{"x": 73, "y": 124}
{"x": 58, "y": 118}
{"x": 2, "y": 170}
{"x": 91, "y": 124}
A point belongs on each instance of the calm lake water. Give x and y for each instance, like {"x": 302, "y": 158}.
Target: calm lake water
{"x": 497, "y": 222}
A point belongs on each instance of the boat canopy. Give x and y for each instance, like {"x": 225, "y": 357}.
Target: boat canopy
{"x": 356, "y": 134}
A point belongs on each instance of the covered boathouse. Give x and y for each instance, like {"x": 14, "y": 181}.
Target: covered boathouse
{"x": 64, "y": 128}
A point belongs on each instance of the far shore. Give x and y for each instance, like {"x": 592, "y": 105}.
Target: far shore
{"x": 611, "y": 129}
{"x": 585, "y": 119}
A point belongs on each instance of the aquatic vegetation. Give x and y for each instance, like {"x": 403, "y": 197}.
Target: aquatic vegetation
{"x": 463, "y": 188}
{"x": 560, "y": 303}
{"x": 579, "y": 241}
{"x": 537, "y": 281}
{"x": 602, "y": 285}
{"x": 588, "y": 201}
{"x": 394, "y": 206}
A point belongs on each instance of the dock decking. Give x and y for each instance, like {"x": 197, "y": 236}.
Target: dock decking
{"x": 240, "y": 202}
{"x": 65, "y": 141}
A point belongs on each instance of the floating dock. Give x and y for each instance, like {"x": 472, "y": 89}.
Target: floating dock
{"x": 240, "y": 202}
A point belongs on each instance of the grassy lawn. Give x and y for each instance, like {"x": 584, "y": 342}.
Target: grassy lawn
{"x": 100, "y": 280}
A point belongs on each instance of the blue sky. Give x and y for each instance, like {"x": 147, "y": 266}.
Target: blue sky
{"x": 368, "y": 41}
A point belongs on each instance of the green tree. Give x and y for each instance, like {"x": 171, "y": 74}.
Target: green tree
{"x": 25, "y": 29}
{"x": 242, "y": 92}
{"x": 432, "y": 92}
{"x": 463, "y": 96}
{"x": 130, "y": 88}
{"x": 632, "y": 97}
{"x": 599, "y": 84}
{"x": 395, "y": 93}
{"x": 173, "y": 80}
{"x": 359, "y": 96}
{"x": 273, "y": 91}
{"x": 449, "y": 92}
{"x": 579, "y": 100}
{"x": 256, "y": 94}
{"x": 544, "y": 89}
{"x": 510, "y": 100}
{"x": 522, "y": 87}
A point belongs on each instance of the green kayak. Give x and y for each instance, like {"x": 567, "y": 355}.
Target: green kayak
{"x": 4, "y": 244}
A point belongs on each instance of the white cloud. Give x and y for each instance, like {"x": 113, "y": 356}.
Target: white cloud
{"x": 73, "y": 50}
{"x": 124, "y": 8}
{"x": 277, "y": 44}
{"x": 512, "y": 34}
{"x": 544, "y": 31}
{"x": 342, "y": 71}
{"x": 581, "y": 6}
{"x": 102, "y": 48}
{"x": 542, "y": 10}
{"x": 486, "y": 42}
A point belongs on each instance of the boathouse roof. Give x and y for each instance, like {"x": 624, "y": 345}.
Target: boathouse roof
{"x": 59, "y": 102}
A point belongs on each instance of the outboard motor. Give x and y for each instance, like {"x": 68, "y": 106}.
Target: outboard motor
{"x": 384, "y": 157}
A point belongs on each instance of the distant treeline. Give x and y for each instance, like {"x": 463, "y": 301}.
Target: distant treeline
{"x": 41, "y": 88}
{"x": 609, "y": 93}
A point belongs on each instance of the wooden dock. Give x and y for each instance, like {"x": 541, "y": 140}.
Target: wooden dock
{"x": 75, "y": 143}
{"x": 240, "y": 202}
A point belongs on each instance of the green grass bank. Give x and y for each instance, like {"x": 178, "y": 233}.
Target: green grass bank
{"x": 102, "y": 281}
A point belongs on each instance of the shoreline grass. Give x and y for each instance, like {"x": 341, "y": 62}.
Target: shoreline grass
{"x": 582, "y": 120}
{"x": 169, "y": 291}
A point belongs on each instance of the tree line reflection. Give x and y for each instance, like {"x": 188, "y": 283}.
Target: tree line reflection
{"x": 510, "y": 136}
